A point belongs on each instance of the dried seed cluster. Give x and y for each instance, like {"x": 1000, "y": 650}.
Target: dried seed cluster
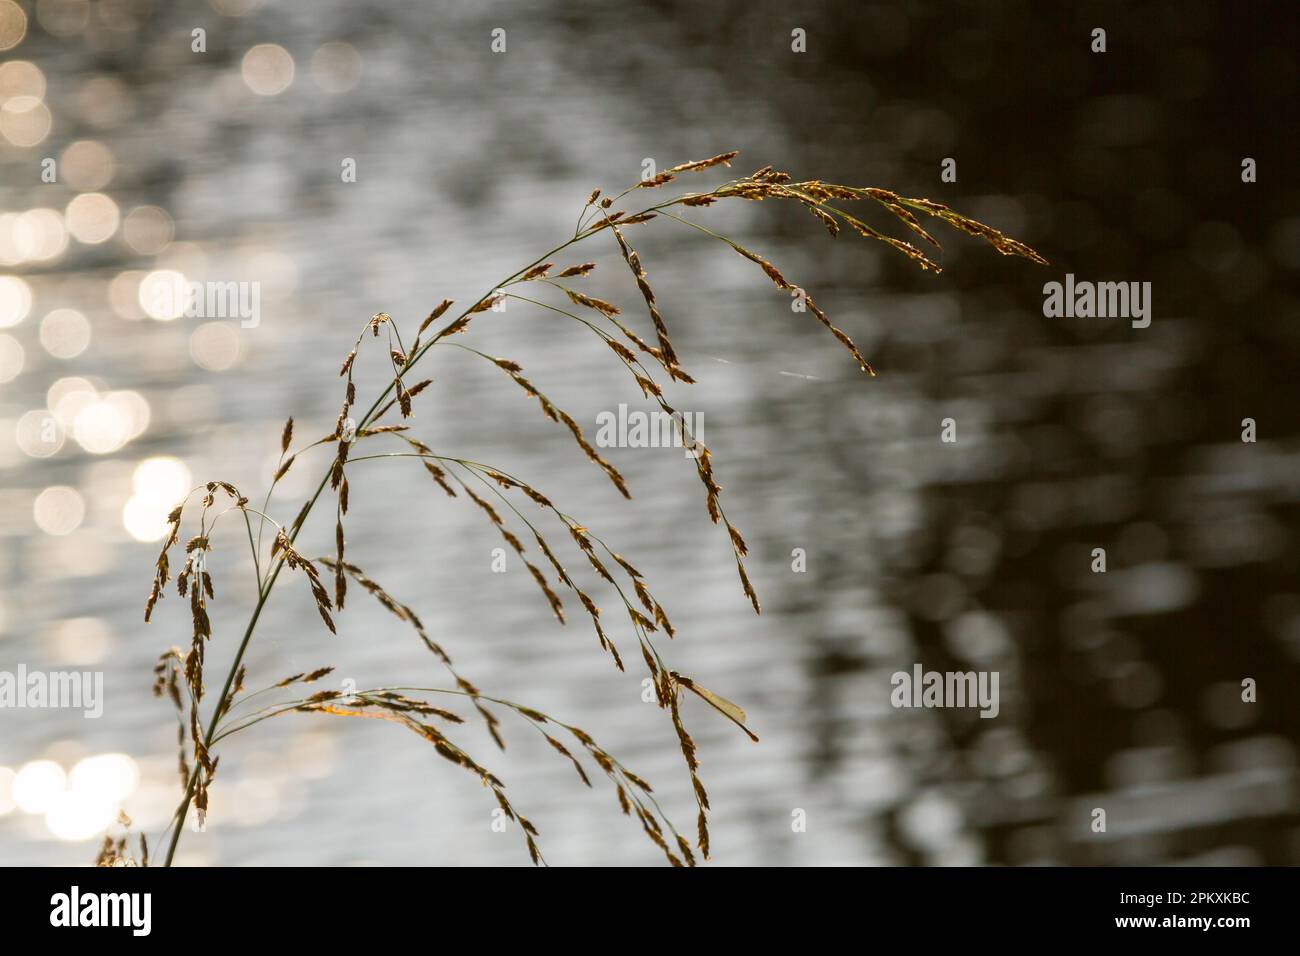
{"x": 115, "y": 853}
{"x": 499, "y": 495}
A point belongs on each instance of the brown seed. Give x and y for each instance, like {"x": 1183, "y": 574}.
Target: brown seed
{"x": 434, "y": 315}
{"x": 722, "y": 159}
{"x": 655, "y": 181}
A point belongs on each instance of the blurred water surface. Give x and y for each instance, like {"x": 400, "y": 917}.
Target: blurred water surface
{"x": 1118, "y": 690}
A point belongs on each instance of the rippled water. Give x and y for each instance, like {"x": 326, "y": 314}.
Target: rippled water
{"x": 468, "y": 164}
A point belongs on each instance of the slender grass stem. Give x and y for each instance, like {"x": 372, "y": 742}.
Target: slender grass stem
{"x": 257, "y": 565}
{"x": 274, "y": 572}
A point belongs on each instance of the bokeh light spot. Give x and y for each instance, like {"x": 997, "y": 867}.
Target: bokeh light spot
{"x": 267, "y": 69}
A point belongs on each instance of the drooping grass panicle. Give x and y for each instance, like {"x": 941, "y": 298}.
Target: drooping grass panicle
{"x": 501, "y": 497}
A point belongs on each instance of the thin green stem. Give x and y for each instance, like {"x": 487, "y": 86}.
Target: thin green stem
{"x": 257, "y": 565}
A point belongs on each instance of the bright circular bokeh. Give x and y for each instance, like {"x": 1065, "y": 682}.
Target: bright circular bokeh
{"x": 12, "y": 358}
{"x": 15, "y": 300}
{"x": 158, "y": 484}
{"x": 92, "y": 218}
{"x": 37, "y": 784}
{"x": 267, "y": 69}
{"x": 59, "y": 510}
{"x": 13, "y": 24}
{"x": 25, "y": 120}
{"x": 65, "y": 333}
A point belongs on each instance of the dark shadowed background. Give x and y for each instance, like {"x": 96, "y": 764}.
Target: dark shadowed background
{"x": 1119, "y": 691}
